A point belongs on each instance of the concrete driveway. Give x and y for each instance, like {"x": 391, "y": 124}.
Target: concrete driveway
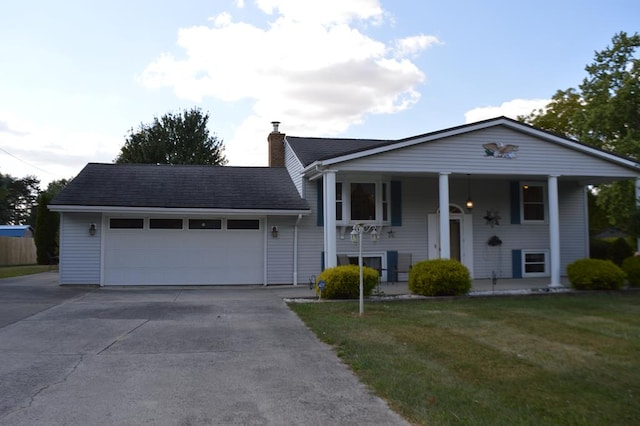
{"x": 168, "y": 356}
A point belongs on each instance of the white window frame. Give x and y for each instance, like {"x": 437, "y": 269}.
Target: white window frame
{"x": 545, "y": 203}
{"x": 346, "y": 200}
{"x": 526, "y": 274}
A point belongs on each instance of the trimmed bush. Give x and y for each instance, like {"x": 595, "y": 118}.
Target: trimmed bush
{"x": 620, "y": 250}
{"x": 595, "y": 274}
{"x": 343, "y": 282}
{"x": 439, "y": 277}
{"x": 631, "y": 267}
{"x": 600, "y": 249}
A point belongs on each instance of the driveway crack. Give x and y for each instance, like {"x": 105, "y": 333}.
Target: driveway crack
{"x": 47, "y": 386}
{"x": 123, "y": 336}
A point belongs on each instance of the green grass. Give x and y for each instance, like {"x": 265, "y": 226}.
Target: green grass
{"x": 17, "y": 271}
{"x": 537, "y": 360}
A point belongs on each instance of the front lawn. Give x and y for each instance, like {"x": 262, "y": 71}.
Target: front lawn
{"x": 16, "y": 271}
{"x": 536, "y": 360}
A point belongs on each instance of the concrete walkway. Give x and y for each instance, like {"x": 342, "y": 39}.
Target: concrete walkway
{"x": 168, "y": 356}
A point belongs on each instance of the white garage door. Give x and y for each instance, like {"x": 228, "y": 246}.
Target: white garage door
{"x": 183, "y": 251}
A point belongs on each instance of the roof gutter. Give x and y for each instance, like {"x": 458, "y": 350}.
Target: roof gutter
{"x": 174, "y": 211}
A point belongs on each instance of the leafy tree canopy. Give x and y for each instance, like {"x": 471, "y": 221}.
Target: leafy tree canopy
{"x": 48, "y": 223}
{"x": 604, "y": 111}
{"x": 17, "y": 199}
{"x": 174, "y": 138}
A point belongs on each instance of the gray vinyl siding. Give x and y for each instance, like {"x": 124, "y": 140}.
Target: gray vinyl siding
{"x": 465, "y": 154}
{"x": 280, "y": 250}
{"x": 294, "y": 167}
{"x": 80, "y": 253}
{"x": 420, "y": 198}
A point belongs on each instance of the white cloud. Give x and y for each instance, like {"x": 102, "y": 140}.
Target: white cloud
{"x": 312, "y": 68}
{"x": 49, "y": 152}
{"x": 511, "y": 109}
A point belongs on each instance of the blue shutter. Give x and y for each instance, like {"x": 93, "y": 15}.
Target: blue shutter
{"x": 392, "y": 266}
{"x": 322, "y": 260}
{"x": 320, "y": 213}
{"x": 516, "y": 263}
{"x": 396, "y": 202}
{"x": 514, "y": 192}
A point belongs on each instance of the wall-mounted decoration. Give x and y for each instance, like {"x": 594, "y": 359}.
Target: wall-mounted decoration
{"x": 492, "y": 218}
{"x": 499, "y": 150}
{"x": 494, "y": 241}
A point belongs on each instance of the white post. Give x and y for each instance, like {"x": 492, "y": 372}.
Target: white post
{"x": 360, "y": 231}
{"x": 554, "y": 231}
{"x": 331, "y": 259}
{"x": 445, "y": 238}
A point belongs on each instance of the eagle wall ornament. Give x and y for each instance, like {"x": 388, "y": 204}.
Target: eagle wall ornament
{"x": 500, "y": 150}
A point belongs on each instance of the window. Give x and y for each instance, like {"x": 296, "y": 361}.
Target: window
{"x": 122, "y": 223}
{"x": 205, "y": 223}
{"x": 362, "y": 202}
{"x": 339, "y": 203}
{"x": 243, "y": 224}
{"x": 533, "y": 202}
{"x": 534, "y": 263}
{"x": 165, "y": 223}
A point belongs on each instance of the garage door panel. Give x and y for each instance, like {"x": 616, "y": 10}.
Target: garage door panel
{"x": 186, "y": 257}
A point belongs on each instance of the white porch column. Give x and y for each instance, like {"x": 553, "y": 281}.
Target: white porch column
{"x": 445, "y": 238}
{"x": 554, "y": 231}
{"x": 638, "y": 205}
{"x": 329, "y": 184}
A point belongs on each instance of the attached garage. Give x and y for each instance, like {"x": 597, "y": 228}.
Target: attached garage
{"x": 147, "y": 224}
{"x": 183, "y": 251}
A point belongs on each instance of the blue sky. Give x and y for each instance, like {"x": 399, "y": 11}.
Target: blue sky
{"x": 76, "y": 76}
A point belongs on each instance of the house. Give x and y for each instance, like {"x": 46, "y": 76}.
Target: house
{"x": 502, "y": 197}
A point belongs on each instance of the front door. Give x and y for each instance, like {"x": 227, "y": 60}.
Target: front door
{"x": 460, "y": 234}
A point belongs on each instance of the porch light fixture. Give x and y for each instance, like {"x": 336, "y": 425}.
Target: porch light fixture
{"x": 469, "y": 200}
{"x": 274, "y": 231}
{"x": 356, "y": 238}
{"x": 92, "y": 229}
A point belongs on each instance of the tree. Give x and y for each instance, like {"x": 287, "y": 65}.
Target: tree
{"x": 47, "y": 236}
{"x": 17, "y": 199}
{"x": 181, "y": 138}
{"x": 604, "y": 112}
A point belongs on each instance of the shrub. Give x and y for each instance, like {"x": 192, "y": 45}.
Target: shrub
{"x": 343, "y": 282}
{"x": 620, "y": 250}
{"x": 595, "y": 274}
{"x": 439, "y": 277}
{"x": 600, "y": 249}
{"x": 631, "y": 267}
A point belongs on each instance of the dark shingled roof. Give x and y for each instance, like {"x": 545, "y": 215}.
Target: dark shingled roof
{"x": 309, "y": 150}
{"x": 180, "y": 186}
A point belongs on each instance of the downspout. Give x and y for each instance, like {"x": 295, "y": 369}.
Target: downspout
{"x": 295, "y": 250}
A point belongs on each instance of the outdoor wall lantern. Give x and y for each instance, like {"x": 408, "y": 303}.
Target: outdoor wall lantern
{"x": 92, "y": 229}
{"x": 356, "y": 238}
{"x": 469, "y": 200}
{"x": 274, "y": 231}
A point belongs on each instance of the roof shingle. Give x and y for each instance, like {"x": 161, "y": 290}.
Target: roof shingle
{"x": 182, "y": 186}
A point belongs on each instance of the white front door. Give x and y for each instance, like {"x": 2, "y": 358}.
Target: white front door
{"x": 461, "y": 236}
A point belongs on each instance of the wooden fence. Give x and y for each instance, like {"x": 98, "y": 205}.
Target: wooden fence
{"x": 17, "y": 251}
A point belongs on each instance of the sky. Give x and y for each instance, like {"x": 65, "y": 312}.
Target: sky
{"x": 77, "y": 76}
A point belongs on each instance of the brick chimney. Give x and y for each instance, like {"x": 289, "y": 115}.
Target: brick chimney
{"x": 276, "y": 146}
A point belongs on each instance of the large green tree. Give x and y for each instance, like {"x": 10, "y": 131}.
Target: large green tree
{"x": 18, "y": 199}
{"x": 604, "y": 111}
{"x": 47, "y": 236}
{"x": 174, "y": 138}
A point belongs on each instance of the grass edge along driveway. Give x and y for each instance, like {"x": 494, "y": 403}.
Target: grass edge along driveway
{"x": 535, "y": 360}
